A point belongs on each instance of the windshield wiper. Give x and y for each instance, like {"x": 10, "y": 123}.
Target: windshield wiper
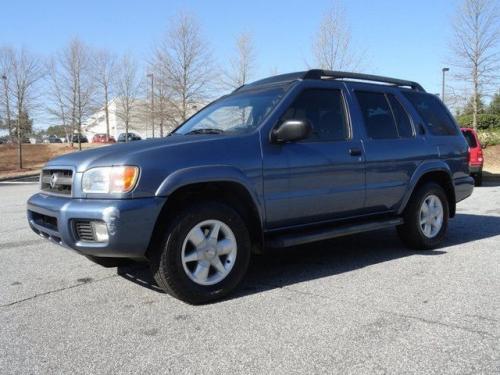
{"x": 206, "y": 131}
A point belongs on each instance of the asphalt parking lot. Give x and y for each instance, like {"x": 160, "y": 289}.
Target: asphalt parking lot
{"x": 358, "y": 304}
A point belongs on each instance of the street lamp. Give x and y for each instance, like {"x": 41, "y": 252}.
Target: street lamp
{"x": 150, "y": 75}
{"x": 444, "y": 70}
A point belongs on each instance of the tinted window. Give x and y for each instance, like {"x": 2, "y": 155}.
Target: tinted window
{"x": 469, "y": 137}
{"x": 433, "y": 113}
{"x": 402, "y": 120}
{"x": 324, "y": 109}
{"x": 379, "y": 121}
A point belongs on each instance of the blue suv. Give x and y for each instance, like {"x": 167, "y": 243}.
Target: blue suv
{"x": 283, "y": 161}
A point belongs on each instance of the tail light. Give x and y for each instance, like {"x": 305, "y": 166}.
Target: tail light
{"x": 468, "y": 155}
{"x": 480, "y": 155}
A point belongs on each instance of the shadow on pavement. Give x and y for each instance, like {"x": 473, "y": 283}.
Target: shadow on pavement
{"x": 491, "y": 179}
{"x": 278, "y": 268}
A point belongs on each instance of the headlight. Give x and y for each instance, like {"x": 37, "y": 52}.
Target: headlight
{"x": 105, "y": 180}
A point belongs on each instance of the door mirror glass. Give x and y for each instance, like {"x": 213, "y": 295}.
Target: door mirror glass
{"x": 291, "y": 131}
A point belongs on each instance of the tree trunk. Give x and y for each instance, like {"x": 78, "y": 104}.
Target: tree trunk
{"x": 19, "y": 140}
{"x": 106, "y": 111}
{"x": 126, "y": 131}
{"x": 475, "y": 99}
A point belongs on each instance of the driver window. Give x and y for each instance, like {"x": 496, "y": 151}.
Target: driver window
{"x": 324, "y": 109}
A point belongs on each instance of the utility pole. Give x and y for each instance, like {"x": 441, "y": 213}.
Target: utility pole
{"x": 7, "y": 107}
{"x": 150, "y": 75}
{"x": 444, "y": 70}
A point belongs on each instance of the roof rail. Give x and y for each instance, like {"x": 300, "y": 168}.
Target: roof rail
{"x": 328, "y": 74}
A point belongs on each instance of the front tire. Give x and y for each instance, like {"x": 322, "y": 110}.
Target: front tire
{"x": 425, "y": 218}
{"x": 204, "y": 253}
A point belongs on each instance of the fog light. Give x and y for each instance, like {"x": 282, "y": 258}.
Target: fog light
{"x": 100, "y": 231}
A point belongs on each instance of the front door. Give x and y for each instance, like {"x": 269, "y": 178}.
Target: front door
{"x": 319, "y": 178}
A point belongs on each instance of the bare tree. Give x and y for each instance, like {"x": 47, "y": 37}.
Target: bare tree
{"x": 75, "y": 83}
{"x": 163, "y": 111}
{"x": 475, "y": 46}
{"x": 242, "y": 65}
{"x": 5, "y": 96}
{"x": 128, "y": 87}
{"x": 332, "y": 45}
{"x": 185, "y": 62}
{"x": 25, "y": 70}
{"x": 59, "y": 104}
{"x": 104, "y": 66}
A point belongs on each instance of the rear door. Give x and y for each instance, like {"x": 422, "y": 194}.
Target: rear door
{"x": 393, "y": 148}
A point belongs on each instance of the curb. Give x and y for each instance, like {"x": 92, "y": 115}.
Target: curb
{"x": 19, "y": 178}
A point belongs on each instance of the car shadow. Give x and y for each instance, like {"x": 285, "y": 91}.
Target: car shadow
{"x": 491, "y": 179}
{"x": 284, "y": 267}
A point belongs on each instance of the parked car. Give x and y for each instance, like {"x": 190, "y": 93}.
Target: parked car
{"x": 103, "y": 138}
{"x": 284, "y": 161}
{"x": 476, "y": 158}
{"x": 54, "y": 139}
{"x": 131, "y": 137}
{"x": 83, "y": 139}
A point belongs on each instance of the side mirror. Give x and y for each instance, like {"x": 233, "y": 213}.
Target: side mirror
{"x": 291, "y": 131}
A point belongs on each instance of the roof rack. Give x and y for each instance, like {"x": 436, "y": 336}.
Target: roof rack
{"x": 328, "y": 74}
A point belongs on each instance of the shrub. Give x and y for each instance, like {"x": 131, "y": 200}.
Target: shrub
{"x": 489, "y": 137}
{"x": 484, "y": 121}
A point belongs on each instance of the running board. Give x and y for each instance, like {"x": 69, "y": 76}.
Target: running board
{"x": 303, "y": 237}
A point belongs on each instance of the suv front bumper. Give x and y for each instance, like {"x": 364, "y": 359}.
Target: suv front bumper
{"x": 130, "y": 223}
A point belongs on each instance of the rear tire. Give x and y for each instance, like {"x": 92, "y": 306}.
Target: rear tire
{"x": 478, "y": 179}
{"x": 189, "y": 245}
{"x": 425, "y": 218}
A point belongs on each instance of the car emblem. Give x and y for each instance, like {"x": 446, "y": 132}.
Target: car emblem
{"x": 53, "y": 180}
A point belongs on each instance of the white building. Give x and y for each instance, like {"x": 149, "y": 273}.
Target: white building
{"x": 140, "y": 122}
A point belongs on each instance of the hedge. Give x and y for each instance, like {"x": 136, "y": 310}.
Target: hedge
{"x": 489, "y": 137}
{"x": 484, "y": 121}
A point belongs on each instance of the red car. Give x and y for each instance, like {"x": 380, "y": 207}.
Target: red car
{"x": 475, "y": 155}
{"x": 103, "y": 138}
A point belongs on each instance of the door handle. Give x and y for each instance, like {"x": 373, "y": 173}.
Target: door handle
{"x": 355, "y": 151}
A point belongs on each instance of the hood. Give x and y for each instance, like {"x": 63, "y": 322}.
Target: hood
{"x": 121, "y": 153}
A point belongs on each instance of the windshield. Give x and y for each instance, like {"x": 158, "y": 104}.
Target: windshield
{"x": 234, "y": 114}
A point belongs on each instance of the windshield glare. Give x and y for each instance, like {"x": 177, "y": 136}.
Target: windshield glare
{"x": 235, "y": 114}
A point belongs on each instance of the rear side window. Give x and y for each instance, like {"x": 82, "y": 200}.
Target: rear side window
{"x": 469, "y": 137}
{"x": 433, "y": 113}
{"x": 401, "y": 117}
{"x": 325, "y": 111}
{"x": 379, "y": 121}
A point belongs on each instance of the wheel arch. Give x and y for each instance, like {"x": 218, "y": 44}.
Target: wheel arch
{"x": 439, "y": 173}
{"x": 201, "y": 184}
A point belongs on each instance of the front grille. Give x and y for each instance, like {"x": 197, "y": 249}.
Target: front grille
{"x": 84, "y": 231}
{"x": 57, "y": 181}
